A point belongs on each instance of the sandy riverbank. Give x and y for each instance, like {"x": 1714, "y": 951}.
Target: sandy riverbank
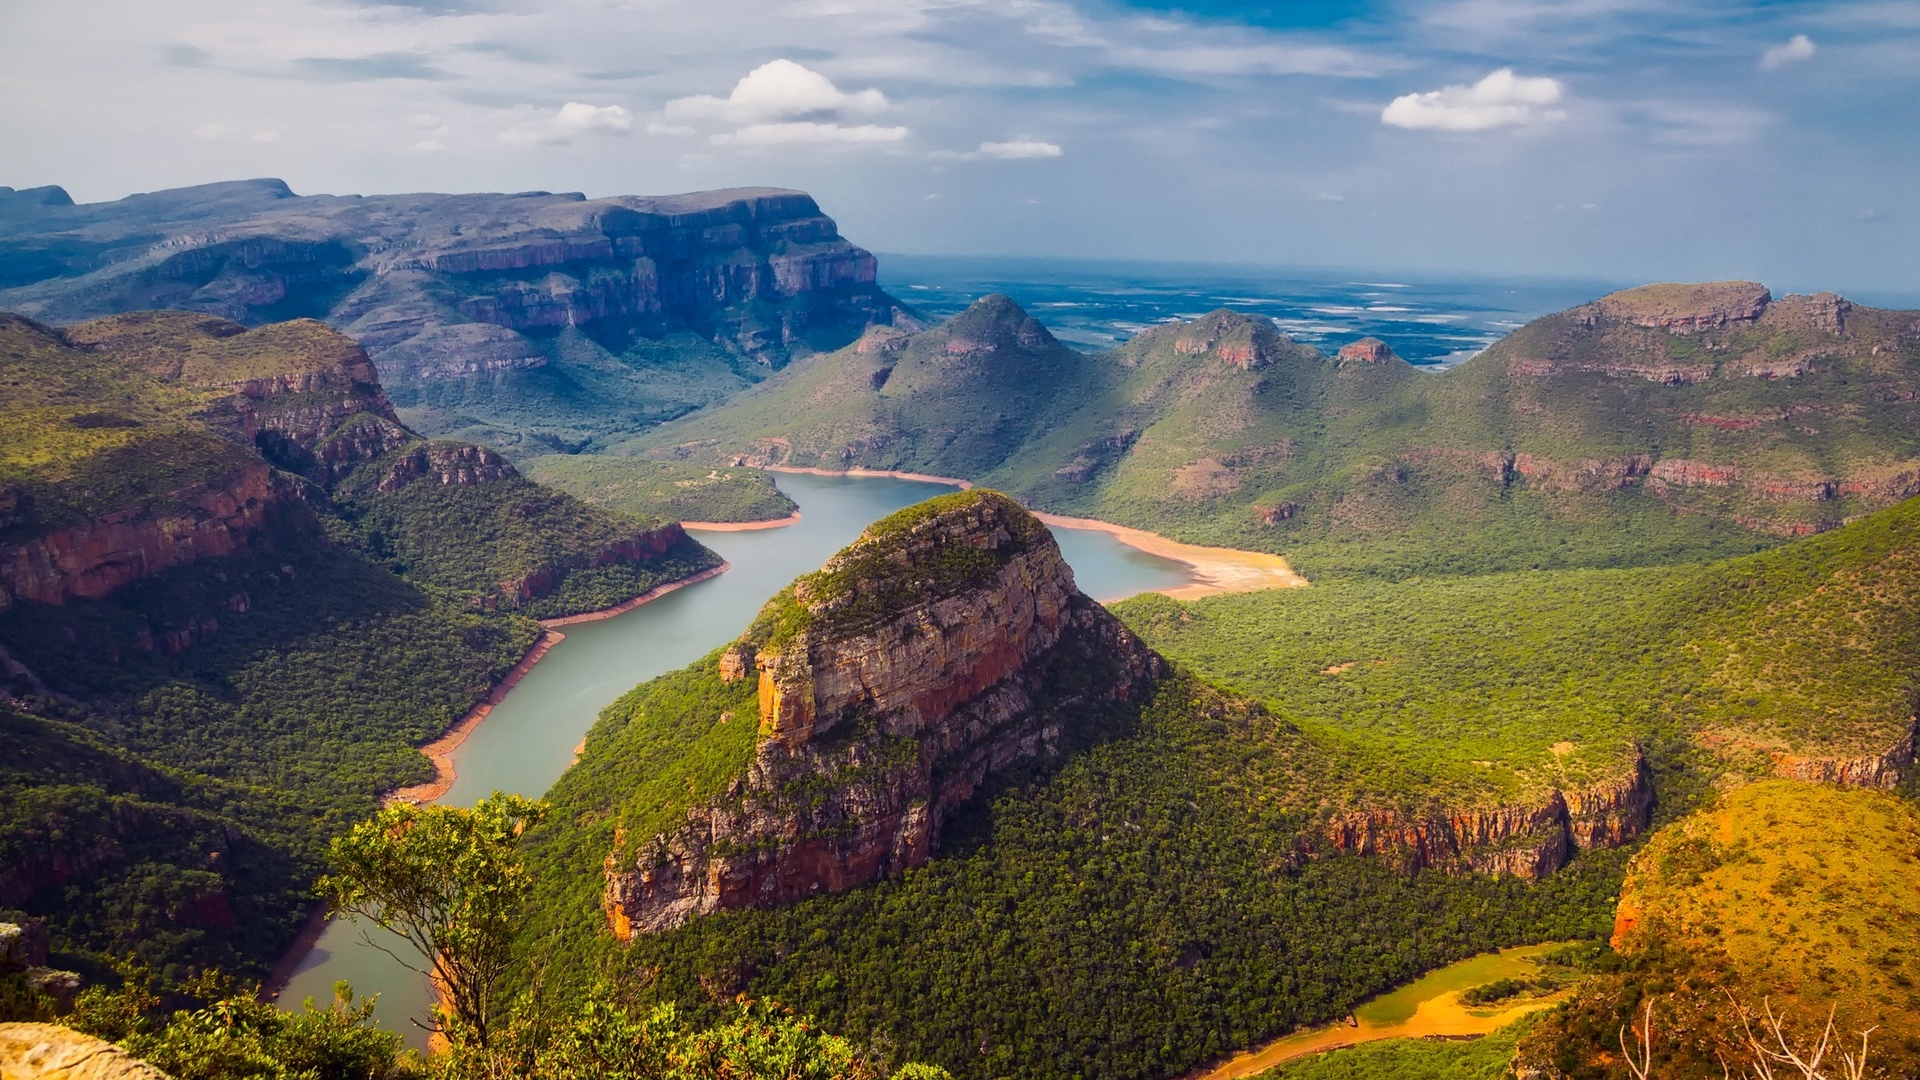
{"x": 440, "y": 750}
{"x": 1220, "y": 570}
{"x": 951, "y": 481}
{"x": 741, "y": 526}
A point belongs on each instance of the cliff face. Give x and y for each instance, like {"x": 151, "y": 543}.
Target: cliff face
{"x": 449, "y": 286}
{"x": 1527, "y": 840}
{"x": 945, "y": 645}
{"x": 210, "y": 519}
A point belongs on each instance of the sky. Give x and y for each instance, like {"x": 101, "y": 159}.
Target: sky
{"x": 1627, "y": 140}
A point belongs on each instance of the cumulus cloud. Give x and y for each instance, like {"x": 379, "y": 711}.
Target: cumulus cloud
{"x": 1502, "y": 99}
{"x": 1798, "y": 47}
{"x": 1022, "y": 149}
{"x": 807, "y": 131}
{"x": 573, "y": 118}
{"x": 779, "y": 91}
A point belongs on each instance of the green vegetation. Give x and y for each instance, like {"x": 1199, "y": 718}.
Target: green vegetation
{"x": 1572, "y": 443}
{"x": 283, "y": 721}
{"x": 1785, "y": 894}
{"x": 586, "y": 390}
{"x": 652, "y": 490}
{"x": 448, "y": 881}
{"x": 510, "y": 542}
{"x": 1485, "y": 1058}
{"x": 1132, "y": 912}
{"x": 188, "y": 744}
{"x": 1484, "y": 689}
{"x": 904, "y": 559}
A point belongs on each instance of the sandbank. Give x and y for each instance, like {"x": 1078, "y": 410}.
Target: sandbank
{"x": 925, "y": 478}
{"x": 741, "y": 526}
{"x": 1220, "y": 570}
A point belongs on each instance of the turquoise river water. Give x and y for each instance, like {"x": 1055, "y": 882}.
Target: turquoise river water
{"x": 528, "y": 740}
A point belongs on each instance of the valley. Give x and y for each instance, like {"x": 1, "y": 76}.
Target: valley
{"x": 636, "y": 505}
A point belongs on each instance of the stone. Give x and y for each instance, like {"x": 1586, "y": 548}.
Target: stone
{"x": 53, "y": 1052}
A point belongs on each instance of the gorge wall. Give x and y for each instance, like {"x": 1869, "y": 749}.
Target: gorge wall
{"x": 946, "y": 645}
{"x": 1527, "y": 839}
{"x": 450, "y": 286}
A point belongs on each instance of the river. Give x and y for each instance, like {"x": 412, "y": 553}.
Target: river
{"x": 528, "y": 739}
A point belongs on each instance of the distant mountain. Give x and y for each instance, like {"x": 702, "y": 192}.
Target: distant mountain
{"x": 1661, "y": 423}
{"x": 503, "y": 318}
{"x": 235, "y": 593}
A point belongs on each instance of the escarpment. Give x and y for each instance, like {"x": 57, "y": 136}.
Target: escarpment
{"x": 451, "y": 286}
{"x": 1527, "y": 840}
{"x": 946, "y": 645}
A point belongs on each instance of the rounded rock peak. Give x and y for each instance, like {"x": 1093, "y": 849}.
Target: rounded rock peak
{"x": 1368, "y": 350}
{"x": 1241, "y": 340}
{"x": 1683, "y": 307}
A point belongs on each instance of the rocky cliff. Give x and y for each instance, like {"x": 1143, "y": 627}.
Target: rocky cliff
{"x": 450, "y": 286}
{"x": 944, "y": 646}
{"x": 1528, "y": 840}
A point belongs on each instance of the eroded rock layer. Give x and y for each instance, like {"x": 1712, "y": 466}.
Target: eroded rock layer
{"x": 946, "y": 645}
{"x": 1528, "y": 840}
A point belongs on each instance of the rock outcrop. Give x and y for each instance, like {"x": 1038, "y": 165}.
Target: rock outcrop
{"x": 53, "y": 1052}
{"x": 1527, "y": 840}
{"x": 946, "y": 644}
{"x": 1685, "y": 308}
{"x": 208, "y": 520}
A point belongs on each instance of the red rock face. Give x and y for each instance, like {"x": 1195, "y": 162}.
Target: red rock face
{"x": 1369, "y": 350}
{"x": 832, "y": 800}
{"x": 1528, "y": 841}
{"x": 94, "y": 559}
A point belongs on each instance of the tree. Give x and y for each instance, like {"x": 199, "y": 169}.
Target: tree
{"x": 448, "y": 881}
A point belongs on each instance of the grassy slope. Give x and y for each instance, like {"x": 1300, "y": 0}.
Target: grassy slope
{"x": 647, "y": 490}
{"x": 1480, "y": 688}
{"x": 1386, "y": 472}
{"x": 1802, "y": 895}
{"x": 82, "y": 436}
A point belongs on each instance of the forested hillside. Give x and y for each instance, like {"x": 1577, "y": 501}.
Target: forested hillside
{"x": 235, "y": 593}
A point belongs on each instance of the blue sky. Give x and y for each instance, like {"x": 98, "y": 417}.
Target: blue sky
{"x": 1619, "y": 139}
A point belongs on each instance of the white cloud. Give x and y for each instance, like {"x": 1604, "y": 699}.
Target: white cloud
{"x": 779, "y": 91}
{"x": 579, "y": 118}
{"x": 1799, "y": 47}
{"x": 1020, "y": 149}
{"x": 573, "y": 118}
{"x": 212, "y": 131}
{"x": 807, "y": 131}
{"x": 1502, "y": 99}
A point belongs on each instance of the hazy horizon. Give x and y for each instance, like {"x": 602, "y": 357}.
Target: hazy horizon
{"x": 1623, "y": 140}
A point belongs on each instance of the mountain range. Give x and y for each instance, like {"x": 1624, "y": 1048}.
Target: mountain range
{"x": 526, "y": 321}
